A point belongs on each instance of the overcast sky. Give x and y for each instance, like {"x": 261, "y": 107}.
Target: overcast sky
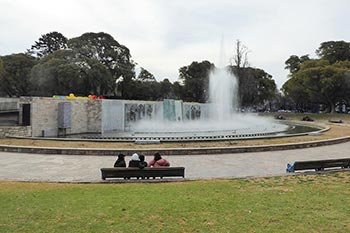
{"x": 166, "y": 35}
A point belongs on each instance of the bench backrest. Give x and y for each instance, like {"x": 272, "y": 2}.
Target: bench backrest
{"x": 320, "y": 164}
{"x": 118, "y": 172}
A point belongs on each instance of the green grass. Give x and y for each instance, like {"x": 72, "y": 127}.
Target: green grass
{"x": 313, "y": 203}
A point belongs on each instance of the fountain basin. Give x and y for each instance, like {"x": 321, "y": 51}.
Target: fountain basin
{"x": 291, "y": 129}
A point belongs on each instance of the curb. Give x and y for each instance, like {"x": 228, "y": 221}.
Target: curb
{"x": 170, "y": 151}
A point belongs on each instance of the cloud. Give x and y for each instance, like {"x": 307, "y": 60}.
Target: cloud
{"x": 165, "y": 35}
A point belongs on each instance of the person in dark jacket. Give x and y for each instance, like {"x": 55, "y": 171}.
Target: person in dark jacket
{"x": 120, "y": 161}
{"x": 134, "y": 161}
{"x": 158, "y": 161}
{"x": 142, "y": 164}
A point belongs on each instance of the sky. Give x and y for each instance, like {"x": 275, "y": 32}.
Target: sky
{"x": 165, "y": 35}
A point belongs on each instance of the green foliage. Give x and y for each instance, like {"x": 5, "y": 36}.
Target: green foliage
{"x": 48, "y": 43}
{"x": 167, "y": 90}
{"x": 15, "y": 74}
{"x": 293, "y": 63}
{"x": 320, "y": 81}
{"x": 1, "y": 67}
{"x": 334, "y": 51}
{"x": 324, "y": 81}
{"x": 93, "y": 62}
{"x": 65, "y": 72}
{"x": 139, "y": 90}
{"x": 105, "y": 49}
{"x": 1, "y": 75}
{"x": 195, "y": 78}
{"x": 178, "y": 89}
{"x": 148, "y": 90}
{"x": 316, "y": 203}
{"x": 294, "y": 90}
{"x": 145, "y": 75}
{"x": 255, "y": 86}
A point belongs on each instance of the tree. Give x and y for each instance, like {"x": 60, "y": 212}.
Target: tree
{"x": 104, "y": 48}
{"x": 145, "y": 75}
{"x": 196, "y": 79}
{"x": 178, "y": 90}
{"x": 294, "y": 89}
{"x": 1, "y": 67}
{"x": 48, "y": 43}
{"x": 166, "y": 90}
{"x": 293, "y": 63}
{"x": 141, "y": 90}
{"x": 240, "y": 56}
{"x": 321, "y": 82}
{"x": 65, "y": 71}
{"x": 16, "y": 70}
{"x": 334, "y": 51}
{"x": 1, "y": 75}
{"x": 255, "y": 86}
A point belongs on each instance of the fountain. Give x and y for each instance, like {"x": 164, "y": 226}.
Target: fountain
{"x": 174, "y": 120}
{"x": 218, "y": 119}
{"x": 222, "y": 94}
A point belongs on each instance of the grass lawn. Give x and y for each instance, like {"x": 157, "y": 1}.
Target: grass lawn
{"x": 311, "y": 203}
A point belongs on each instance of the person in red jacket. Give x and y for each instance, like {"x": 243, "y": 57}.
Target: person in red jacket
{"x": 158, "y": 161}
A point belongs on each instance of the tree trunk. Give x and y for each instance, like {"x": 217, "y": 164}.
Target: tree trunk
{"x": 332, "y": 107}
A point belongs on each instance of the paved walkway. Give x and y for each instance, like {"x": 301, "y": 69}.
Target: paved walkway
{"x": 68, "y": 168}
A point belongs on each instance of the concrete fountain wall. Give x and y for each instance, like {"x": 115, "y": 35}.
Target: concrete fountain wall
{"x": 85, "y": 116}
{"x": 100, "y": 116}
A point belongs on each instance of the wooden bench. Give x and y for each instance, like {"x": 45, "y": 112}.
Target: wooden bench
{"x": 318, "y": 165}
{"x": 145, "y": 173}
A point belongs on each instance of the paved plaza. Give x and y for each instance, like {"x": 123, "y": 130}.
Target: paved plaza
{"x": 74, "y": 168}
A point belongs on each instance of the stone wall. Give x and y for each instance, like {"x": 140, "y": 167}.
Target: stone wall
{"x": 94, "y": 116}
{"x": 85, "y": 116}
{"x": 44, "y": 117}
{"x": 79, "y": 117}
{"x": 18, "y": 131}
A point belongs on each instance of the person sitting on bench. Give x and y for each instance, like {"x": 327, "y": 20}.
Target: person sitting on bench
{"x": 142, "y": 164}
{"x": 120, "y": 161}
{"x": 158, "y": 161}
{"x": 134, "y": 161}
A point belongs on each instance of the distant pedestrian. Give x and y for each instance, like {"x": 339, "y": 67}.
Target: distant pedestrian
{"x": 158, "y": 161}
{"x": 134, "y": 161}
{"x": 120, "y": 161}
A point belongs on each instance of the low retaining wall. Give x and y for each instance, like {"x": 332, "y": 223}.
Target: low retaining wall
{"x": 171, "y": 151}
{"x": 10, "y": 131}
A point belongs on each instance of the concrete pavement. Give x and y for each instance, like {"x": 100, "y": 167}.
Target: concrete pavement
{"x": 75, "y": 168}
